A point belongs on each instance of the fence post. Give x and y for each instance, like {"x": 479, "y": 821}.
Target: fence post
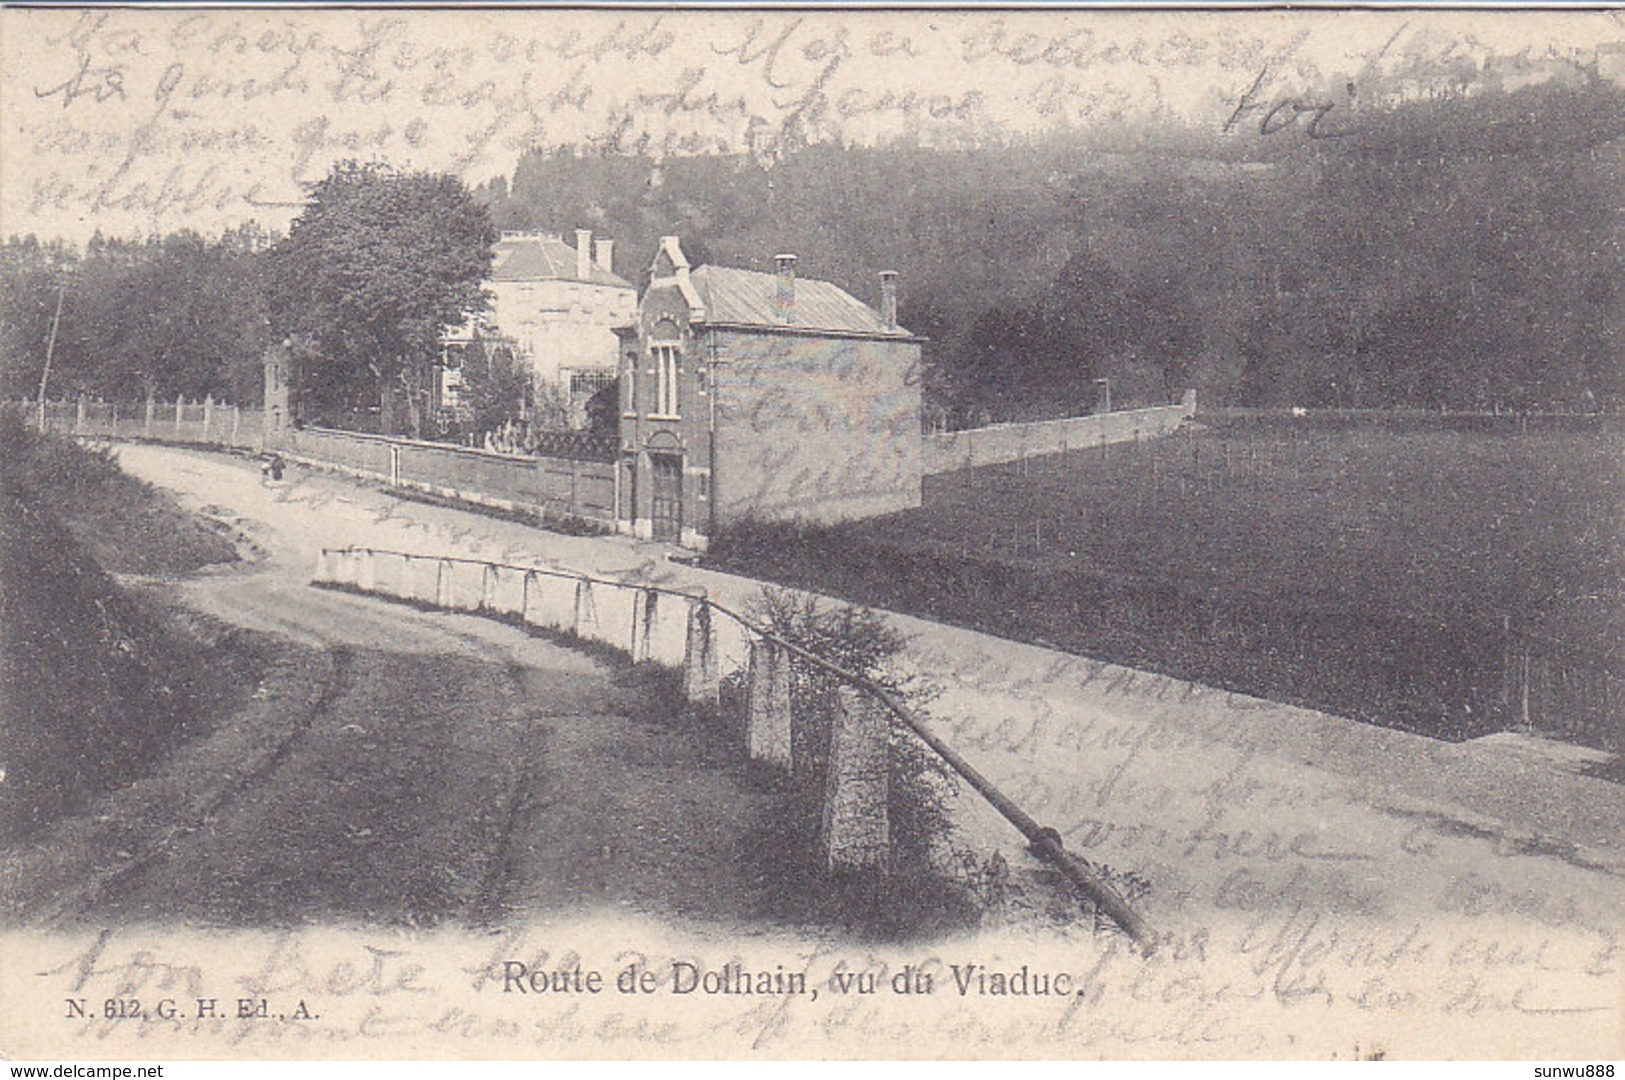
{"x": 180, "y": 409}
{"x": 208, "y": 415}
{"x": 146, "y": 425}
{"x": 767, "y": 725}
{"x": 700, "y": 679}
{"x": 488, "y": 588}
{"x": 524, "y": 597}
{"x": 857, "y": 833}
{"x": 321, "y": 566}
{"x": 366, "y": 578}
{"x": 79, "y": 416}
{"x": 236, "y": 422}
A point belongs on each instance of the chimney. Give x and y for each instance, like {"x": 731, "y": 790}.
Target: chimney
{"x": 606, "y": 254}
{"x": 784, "y": 301}
{"x": 583, "y": 254}
{"x": 888, "y": 298}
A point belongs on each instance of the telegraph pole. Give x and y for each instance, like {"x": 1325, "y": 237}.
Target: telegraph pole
{"x": 50, "y": 350}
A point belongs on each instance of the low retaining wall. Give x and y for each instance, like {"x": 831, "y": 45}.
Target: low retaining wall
{"x": 999, "y": 443}
{"x": 849, "y": 780}
{"x": 675, "y": 629}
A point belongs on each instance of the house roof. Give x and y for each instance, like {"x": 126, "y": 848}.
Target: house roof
{"x": 749, "y": 298}
{"x": 544, "y": 257}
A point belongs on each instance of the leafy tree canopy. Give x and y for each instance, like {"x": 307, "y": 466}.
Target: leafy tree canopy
{"x": 372, "y": 271}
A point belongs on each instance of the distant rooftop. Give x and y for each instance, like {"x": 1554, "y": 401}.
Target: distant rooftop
{"x": 749, "y": 298}
{"x": 540, "y": 256}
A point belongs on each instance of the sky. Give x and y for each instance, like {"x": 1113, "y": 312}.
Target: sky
{"x": 135, "y": 122}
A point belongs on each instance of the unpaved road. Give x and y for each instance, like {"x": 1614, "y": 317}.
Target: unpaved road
{"x": 431, "y": 768}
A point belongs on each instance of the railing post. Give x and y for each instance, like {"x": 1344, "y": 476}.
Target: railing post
{"x": 585, "y": 611}
{"x": 442, "y": 584}
{"x": 488, "y": 588}
{"x": 701, "y": 681}
{"x": 857, "y": 832}
{"x": 767, "y": 724}
{"x": 645, "y": 606}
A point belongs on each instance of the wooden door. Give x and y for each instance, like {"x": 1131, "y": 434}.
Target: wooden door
{"x": 667, "y": 483}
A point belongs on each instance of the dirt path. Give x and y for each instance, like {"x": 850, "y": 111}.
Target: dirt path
{"x": 450, "y": 769}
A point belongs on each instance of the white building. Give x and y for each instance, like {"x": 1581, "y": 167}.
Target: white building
{"x": 558, "y": 306}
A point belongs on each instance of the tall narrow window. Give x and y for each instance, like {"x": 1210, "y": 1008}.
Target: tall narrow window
{"x": 665, "y": 358}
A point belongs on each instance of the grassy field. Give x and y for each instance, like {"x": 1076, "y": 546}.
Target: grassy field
{"x": 1400, "y": 570}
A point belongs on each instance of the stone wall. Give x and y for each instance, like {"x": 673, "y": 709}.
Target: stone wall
{"x": 549, "y": 487}
{"x": 999, "y": 443}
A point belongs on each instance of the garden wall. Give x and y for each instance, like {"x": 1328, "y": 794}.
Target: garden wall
{"x": 549, "y": 487}
{"x": 999, "y": 443}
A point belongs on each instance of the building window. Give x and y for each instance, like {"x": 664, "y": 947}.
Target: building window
{"x": 584, "y": 384}
{"x": 665, "y": 362}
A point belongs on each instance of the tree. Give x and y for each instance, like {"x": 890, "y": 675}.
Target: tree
{"x": 374, "y": 269}
{"x": 498, "y": 387}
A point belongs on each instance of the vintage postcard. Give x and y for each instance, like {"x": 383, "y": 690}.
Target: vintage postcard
{"x": 987, "y": 533}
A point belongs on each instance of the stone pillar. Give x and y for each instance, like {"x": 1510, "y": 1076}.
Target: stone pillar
{"x": 236, "y": 422}
{"x": 857, "y": 833}
{"x": 180, "y": 414}
{"x": 443, "y": 585}
{"x": 645, "y": 609}
{"x": 585, "y": 613}
{"x": 208, "y": 416}
{"x": 146, "y": 426}
{"x": 701, "y": 681}
{"x": 767, "y": 723}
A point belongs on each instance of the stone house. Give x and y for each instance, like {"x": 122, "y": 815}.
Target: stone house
{"x": 760, "y": 395}
{"x": 557, "y": 308}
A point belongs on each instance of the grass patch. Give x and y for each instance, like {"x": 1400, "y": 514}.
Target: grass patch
{"x": 1397, "y": 573}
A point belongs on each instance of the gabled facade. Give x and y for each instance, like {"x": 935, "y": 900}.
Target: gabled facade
{"x": 758, "y": 395}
